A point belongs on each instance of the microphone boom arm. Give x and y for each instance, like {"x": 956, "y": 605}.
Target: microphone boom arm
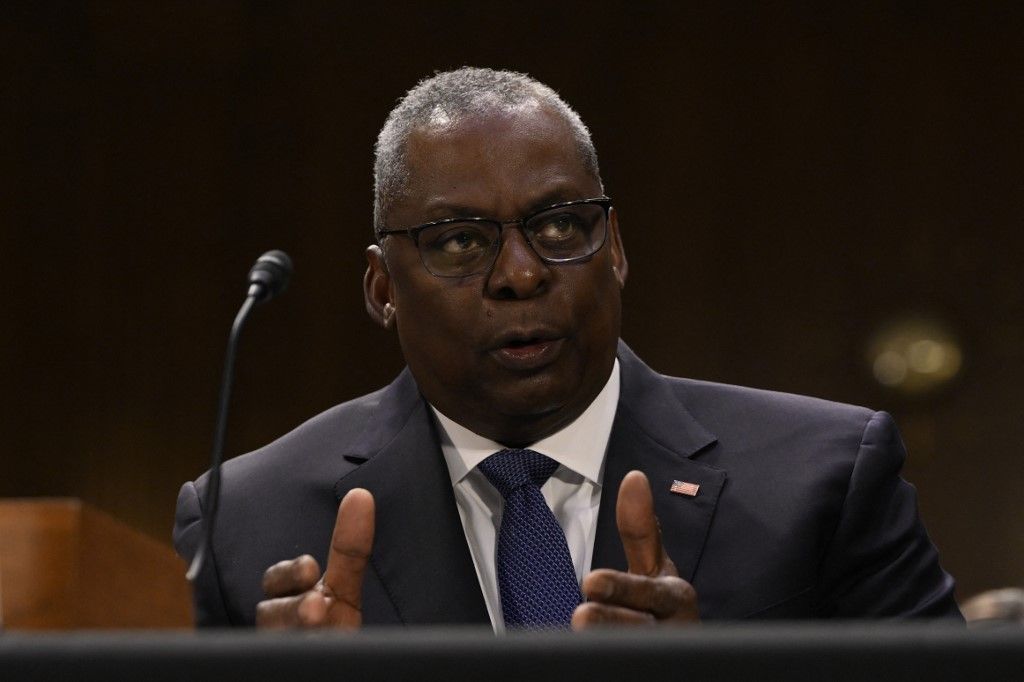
{"x": 267, "y": 278}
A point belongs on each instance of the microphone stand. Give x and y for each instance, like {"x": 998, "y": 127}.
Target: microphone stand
{"x": 213, "y": 484}
{"x": 267, "y": 278}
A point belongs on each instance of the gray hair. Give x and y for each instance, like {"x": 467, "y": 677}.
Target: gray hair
{"x": 443, "y": 99}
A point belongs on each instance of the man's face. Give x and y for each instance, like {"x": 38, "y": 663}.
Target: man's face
{"x": 519, "y": 351}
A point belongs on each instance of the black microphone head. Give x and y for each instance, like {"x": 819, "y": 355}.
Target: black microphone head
{"x": 269, "y": 276}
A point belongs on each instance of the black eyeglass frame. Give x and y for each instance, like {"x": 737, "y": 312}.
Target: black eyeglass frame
{"x": 414, "y": 233}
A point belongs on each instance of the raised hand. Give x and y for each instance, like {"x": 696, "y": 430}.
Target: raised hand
{"x": 299, "y": 597}
{"x": 651, "y": 592}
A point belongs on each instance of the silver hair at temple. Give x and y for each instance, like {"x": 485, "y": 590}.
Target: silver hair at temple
{"x": 444, "y": 99}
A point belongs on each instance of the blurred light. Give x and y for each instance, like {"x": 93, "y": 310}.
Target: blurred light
{"x": 915, "y": 355}
{"x": 890, "y": 368}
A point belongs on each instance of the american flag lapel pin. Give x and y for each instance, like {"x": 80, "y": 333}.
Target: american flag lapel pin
{"x": 684, "y": 488}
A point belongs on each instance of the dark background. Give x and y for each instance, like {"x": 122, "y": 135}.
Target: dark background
{"x": 788, "y": 179}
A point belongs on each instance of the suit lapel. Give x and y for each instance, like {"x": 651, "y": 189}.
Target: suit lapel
{"x": 420, "y": 553}
{"x": 653, "y": 432}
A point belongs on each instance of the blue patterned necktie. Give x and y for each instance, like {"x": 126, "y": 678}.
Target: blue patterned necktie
{"x": 536, "y": 577}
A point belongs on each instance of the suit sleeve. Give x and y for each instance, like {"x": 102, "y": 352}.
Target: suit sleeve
{"x": 881, "y": 562}
{"x": 207, "y": 599}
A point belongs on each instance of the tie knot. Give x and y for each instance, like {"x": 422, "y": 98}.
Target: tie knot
{"x": 509, "y": 470}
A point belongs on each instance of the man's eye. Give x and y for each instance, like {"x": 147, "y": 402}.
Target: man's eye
{"x": 559, "y": 227}
{"x": 460, "y": 240}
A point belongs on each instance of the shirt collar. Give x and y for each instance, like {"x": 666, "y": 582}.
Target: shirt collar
{"x": 580, "y": 446}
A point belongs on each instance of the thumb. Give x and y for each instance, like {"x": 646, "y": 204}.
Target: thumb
{"x": 351, "y": 544}
{"x": 638, "y": 526}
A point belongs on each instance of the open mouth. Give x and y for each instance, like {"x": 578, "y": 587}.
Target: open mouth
{"x": 527, "y": 352}
{"x": 523, "y": 343}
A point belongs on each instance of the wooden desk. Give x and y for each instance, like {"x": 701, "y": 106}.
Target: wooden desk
{"x": 65, "y": 565}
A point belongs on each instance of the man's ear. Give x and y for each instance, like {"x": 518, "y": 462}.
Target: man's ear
{"x": 377, "y": 290}
{"x": 618, "y": 252}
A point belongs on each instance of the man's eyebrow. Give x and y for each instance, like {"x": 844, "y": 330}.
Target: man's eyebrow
{"x": 560, "y": 190}
{"x": 441, "y": 208}
{"x": 556, "y": 196}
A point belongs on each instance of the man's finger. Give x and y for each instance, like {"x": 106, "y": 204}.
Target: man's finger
{"x": 351, "y": 543}
{"x": 638, "y": 526}
{"x": 301, "y": 611}
{"x": 663, "y": 597}
{"x": 593, "y": 614}
{"x": 294, "y": 576}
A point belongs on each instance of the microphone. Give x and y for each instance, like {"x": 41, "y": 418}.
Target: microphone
{"x": 268, "y": 277}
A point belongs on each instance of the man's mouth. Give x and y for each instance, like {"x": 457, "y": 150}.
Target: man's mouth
{"x": 527, "y": 351}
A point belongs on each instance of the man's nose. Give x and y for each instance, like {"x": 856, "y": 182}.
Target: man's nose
{"x": 518, "y": 271}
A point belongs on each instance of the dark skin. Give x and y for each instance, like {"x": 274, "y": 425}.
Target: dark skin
{"x": 451, "y": 330}
{"x": 464, "y": 341}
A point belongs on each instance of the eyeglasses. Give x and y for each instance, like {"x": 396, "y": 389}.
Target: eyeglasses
{"x": 563, "y": 233}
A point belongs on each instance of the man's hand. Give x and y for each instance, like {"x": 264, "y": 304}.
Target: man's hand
{"x": 299, "y": 597}
{"x": 652, "y": 591}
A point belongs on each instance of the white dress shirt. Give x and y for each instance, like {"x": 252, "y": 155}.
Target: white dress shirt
{"x": 573, "y": 492}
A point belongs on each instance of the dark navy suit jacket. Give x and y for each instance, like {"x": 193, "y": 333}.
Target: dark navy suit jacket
{"x": 801, "y": 512}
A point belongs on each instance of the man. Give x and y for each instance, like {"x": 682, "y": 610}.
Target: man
{"x": 517, "y": 472}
